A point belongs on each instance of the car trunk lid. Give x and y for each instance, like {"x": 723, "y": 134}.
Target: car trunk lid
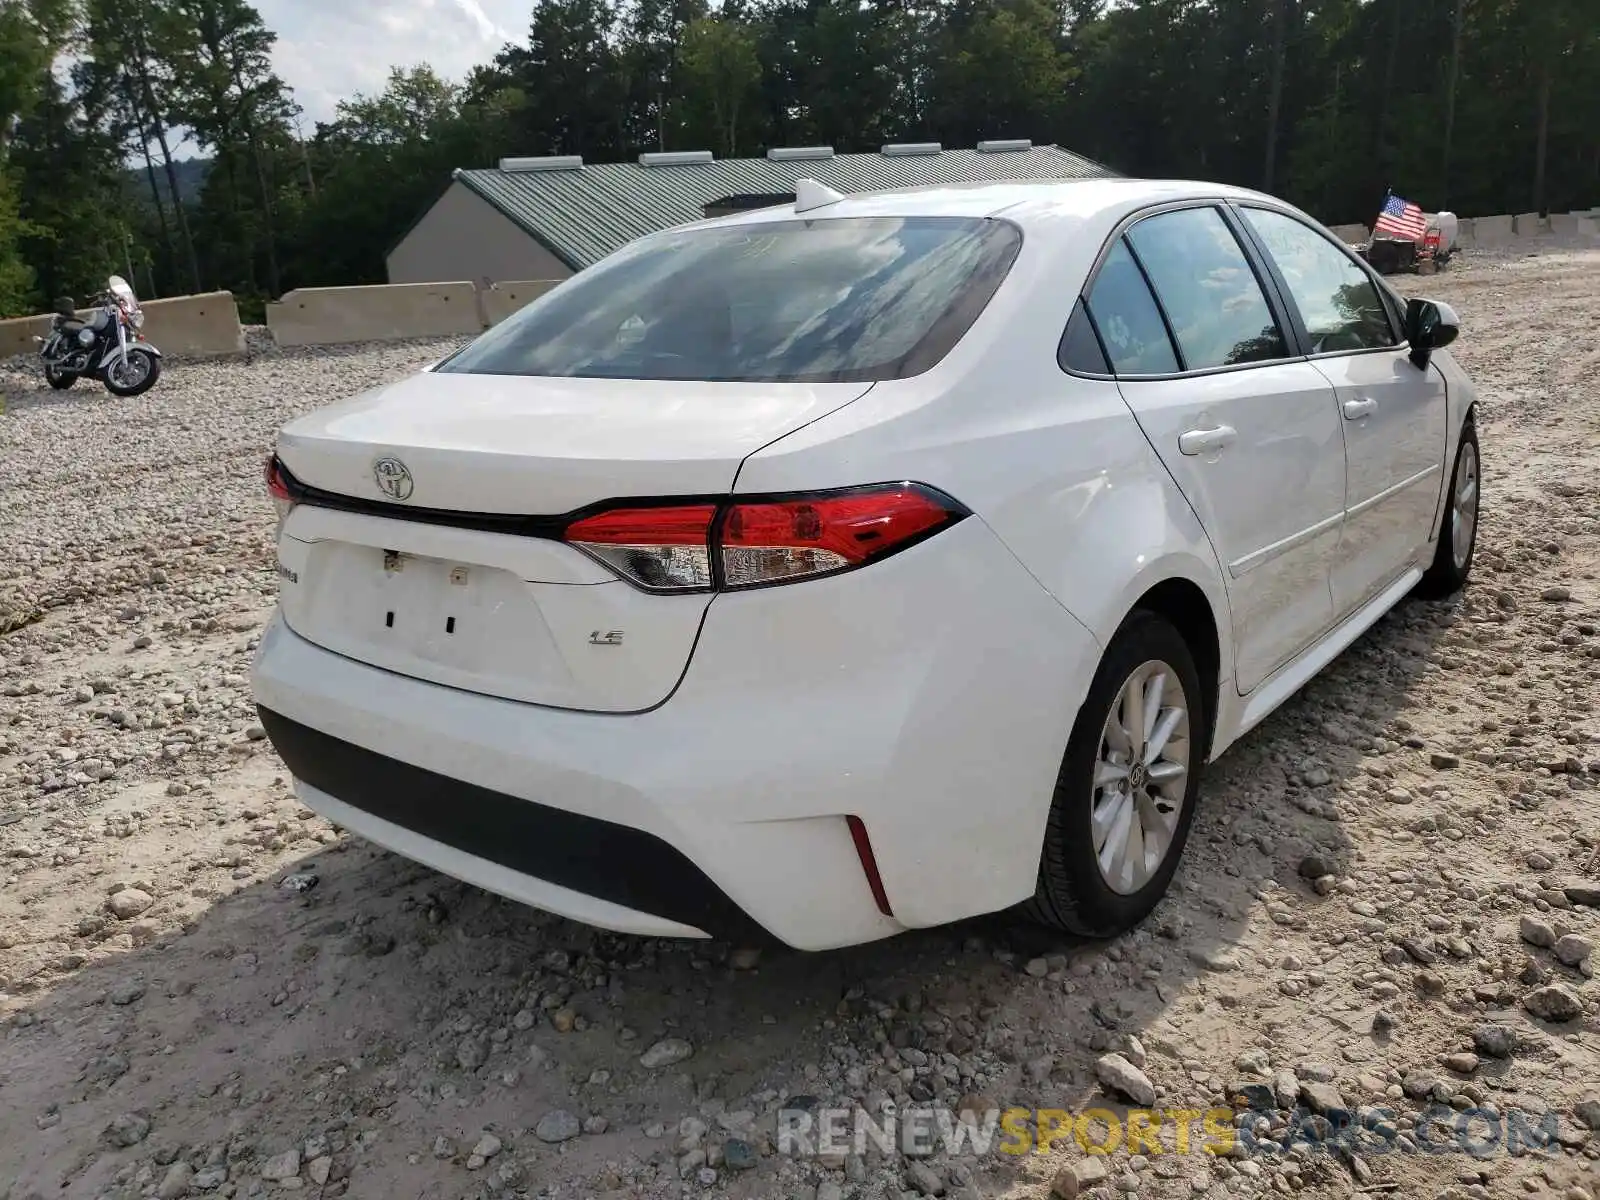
{"x": 431, "y": 547}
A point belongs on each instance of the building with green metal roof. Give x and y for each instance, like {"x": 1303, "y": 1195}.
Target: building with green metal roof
{"x": 546, "y": 218}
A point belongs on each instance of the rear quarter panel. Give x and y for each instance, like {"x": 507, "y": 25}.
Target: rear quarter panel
{"x": 1056, "y": 465}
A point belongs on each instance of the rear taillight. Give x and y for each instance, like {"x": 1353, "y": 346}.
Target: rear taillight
{"x": 661, "y": 549}
{"x": 276, "y": 487}
{"x": 761, "y": 541}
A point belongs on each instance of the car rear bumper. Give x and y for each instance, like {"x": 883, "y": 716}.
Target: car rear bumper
{"x": 929, "y": 696}
{"x": 605, "y": 874}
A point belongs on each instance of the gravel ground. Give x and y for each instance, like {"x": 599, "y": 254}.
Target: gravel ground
{"x": 1388, "y": 904}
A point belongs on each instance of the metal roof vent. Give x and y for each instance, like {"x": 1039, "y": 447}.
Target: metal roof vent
{"x": 552, "y": 162}
{"x": 904, "y": 149}
{"x": 997, "y": 147}
{"x": 675, "y": 158}
{"x": 798, "y": 153}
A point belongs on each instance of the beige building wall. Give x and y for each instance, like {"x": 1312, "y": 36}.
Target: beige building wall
{"x": 464, "y": 237}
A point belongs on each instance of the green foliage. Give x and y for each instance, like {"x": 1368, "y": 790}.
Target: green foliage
{"x": 1477, "y": 105}
{"x": 16, "y": 279}
{"x": 719, "y": 73}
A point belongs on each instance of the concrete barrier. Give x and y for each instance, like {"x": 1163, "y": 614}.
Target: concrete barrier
{"x": 192, "y": 326}
{"x": 195, "y": 326}
{"x": 1488, "y": 231}
{"x": 330, "y": 315}
{"x": 1530, "y": 225}
{"x": 17, "y": 334}
{"x": 1350, "y": 235}
{"x": 1588, "y": 226}
{"x": 500, "y": 300}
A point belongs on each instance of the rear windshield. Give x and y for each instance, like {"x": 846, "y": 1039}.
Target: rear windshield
{"x": 847, "y": 299}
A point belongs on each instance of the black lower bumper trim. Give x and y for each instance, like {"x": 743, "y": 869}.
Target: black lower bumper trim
{"x": 598, "y": 858}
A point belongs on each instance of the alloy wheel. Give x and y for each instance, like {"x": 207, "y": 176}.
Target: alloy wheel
{"x": 1464, "y": 522}
{"x": 1141, "y": 777}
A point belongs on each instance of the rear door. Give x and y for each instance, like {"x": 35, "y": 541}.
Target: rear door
{"x": 1392, "y": 413}
{"x": 1249, "y": 433}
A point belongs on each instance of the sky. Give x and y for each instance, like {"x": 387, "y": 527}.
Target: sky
{"x": 329, "y": 50}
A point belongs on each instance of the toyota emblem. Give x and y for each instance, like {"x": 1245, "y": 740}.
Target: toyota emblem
{"x": 393, "y": 478}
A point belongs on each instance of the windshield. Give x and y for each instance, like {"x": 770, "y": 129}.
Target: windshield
{"x": 847, "y": 299}
{"x": 118, "y": 287}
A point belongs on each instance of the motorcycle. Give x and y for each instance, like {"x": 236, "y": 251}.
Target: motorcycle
{"x": 109, "y": 346}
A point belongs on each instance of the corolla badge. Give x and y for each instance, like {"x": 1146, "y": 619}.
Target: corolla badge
{"x": 393, "y": 478}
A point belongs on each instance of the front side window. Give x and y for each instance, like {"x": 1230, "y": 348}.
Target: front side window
{"x": 1337, "y": 300}
{"x": 846, "y": 299}
{"x": 1128, "y": 319}
{"x": 1218, "y": 311}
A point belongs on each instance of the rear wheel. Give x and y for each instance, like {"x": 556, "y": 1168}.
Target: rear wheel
{"x": 1125, "y": 795}
{"x": 1458, "y": 528}
{"x": 59, "y": 379}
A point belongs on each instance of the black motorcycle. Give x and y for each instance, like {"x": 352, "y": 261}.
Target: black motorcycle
{"x": 109, "y": 346}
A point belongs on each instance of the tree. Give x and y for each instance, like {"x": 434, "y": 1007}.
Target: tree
{"x": 69, "y": 163}
{"x": 226, "y": 93}
{"x": 120, "y": 36}
{"x": 1000, "y": 72}
{"x": 32, "y": 33}
{"x": 720, "y": 69}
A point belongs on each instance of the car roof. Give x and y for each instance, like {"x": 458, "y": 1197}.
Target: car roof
{"x": 1024, "y": 201}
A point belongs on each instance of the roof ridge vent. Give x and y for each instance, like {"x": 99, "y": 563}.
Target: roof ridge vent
{"x": 549, "y": 162}
{"x": 798, "y": 153}
{"x": 1001, "y": 145}
{"x": 675, "y": 158}
{"x": 904, "y": 149}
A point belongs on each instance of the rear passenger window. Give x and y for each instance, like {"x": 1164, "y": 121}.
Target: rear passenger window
{"x": 1080, "y": 349}
{"x": 1129, "y": 322}
{"x": 1218, "y": 311}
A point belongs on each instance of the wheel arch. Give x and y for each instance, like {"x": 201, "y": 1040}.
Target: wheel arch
{"x": 1181, "y": 602}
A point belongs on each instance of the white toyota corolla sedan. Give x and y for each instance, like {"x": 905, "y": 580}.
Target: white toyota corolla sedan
{"x": 862, "y": 564}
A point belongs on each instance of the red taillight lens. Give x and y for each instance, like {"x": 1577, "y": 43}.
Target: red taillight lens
{"x": 661, "y": 549}
{"x": 276, "y": 487}
{"x": 758, "y": 542}
{"x": 773, "y": 541}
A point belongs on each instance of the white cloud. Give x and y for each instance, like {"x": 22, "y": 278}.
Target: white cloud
{"x": 328, "y": 51}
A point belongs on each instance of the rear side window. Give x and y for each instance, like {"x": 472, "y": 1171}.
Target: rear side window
{"x": 1080, "y": 348}
{"x": 1208, "y": 289}
{"x": 1338, "y": 301}
{"x": 1129, "y": 322}
{"x": 843, "y": 299}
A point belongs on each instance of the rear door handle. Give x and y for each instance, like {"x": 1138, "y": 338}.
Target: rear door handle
{"x": 1354, "y": 410}
{"x": 1202, "y": 441}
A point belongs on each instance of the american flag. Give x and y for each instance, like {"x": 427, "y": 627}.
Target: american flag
{"x": 1401, "y": 218}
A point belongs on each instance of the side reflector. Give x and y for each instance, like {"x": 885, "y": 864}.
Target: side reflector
{"x": 869, "y": 864}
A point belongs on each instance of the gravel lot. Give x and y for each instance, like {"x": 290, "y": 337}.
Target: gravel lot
{"x": 1389, "y": 901}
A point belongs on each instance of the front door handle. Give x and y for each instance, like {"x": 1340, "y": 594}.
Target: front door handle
{"x": 1203, "y": 441}
{"x": 1354, "y": 410}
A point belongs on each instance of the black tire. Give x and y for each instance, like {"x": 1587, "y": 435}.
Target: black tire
{"x": 59, "y": 379}
{"x": 1073, "y": 894}
{"x": 152, "y": 373}
{"x": 1448, "y": 573}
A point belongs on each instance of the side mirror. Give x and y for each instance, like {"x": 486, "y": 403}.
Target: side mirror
{"x": 1430, "y": 325}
